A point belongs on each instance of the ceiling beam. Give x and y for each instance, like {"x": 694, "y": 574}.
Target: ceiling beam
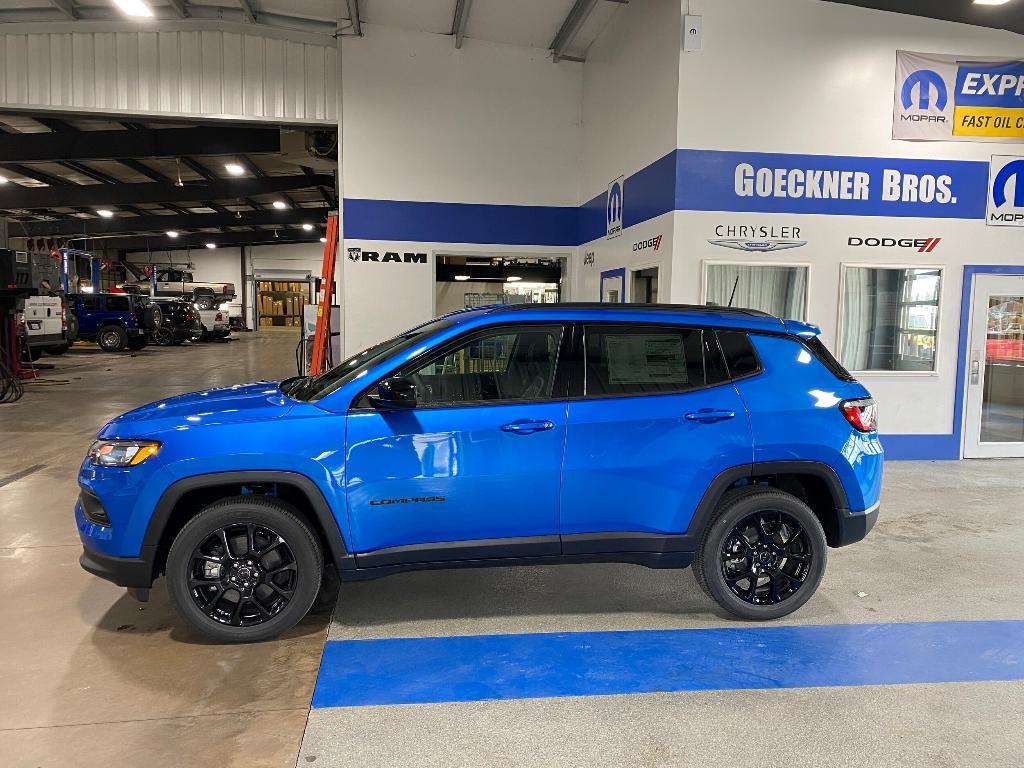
{"x": 247, "y": 11}
{"x": 459, "y": 22}
{"x": 180, "y": 8}
{"x": 126, "y": 194}
{"x": 68, "y": 7}
{"x": 199, "y": 240}
{"x": 180, "y": 223}
{"x": 328, "y": 196}
{"x": 353, "y": 15}
{"x": 577, "y": 15}
{"x": 117, "y": 145}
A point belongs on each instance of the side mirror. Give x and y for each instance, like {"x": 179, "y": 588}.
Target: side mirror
{"x": 395, "y": 394}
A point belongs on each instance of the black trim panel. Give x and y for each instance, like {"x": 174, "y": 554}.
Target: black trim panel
{"x": 131, "y": 572}
{"x": 609, "y": 542}
{"x": 854, "y": 526}
{"x": 478, "y": 549}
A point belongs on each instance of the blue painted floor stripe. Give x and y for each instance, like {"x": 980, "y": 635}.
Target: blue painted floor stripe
{"x": 444, "y": 669}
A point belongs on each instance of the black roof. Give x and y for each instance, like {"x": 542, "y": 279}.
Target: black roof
{"x": 699, "y": 308}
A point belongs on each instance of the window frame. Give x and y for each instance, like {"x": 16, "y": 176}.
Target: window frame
{"x": 878, "y": 372}
{"x": 705, "y": 263}
{"x": 559, "y": 386}
{"x": 725, "y": 360}
{"x": 578, "y": 390}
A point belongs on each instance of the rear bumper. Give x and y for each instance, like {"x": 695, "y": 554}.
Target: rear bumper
{"x": 132, "y": 572}
{"x": 45, "y": 339}
{"x": 854, "y": 526}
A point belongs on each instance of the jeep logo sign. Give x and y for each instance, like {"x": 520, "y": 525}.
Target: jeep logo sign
{"x": 358, "y": 254}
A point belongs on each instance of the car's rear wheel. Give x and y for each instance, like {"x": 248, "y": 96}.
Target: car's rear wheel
{"x": 112, "y": 338}
{"x": 763, "y": 554}
{"x": 163, "y": 336}
{"x": 244, "y": 569}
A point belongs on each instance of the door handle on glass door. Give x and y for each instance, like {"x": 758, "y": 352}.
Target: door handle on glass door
{"x": 975, "y": 369}
{"x": 527, "y": 426}
{"x": 709, "y": 415}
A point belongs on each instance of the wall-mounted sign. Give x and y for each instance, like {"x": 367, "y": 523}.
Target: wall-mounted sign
{"x": 613, "y": 207}
{"x": 919, "y": 244}
{"x": 652, "y": 243}
{"x": 952, "y": 98}
{"x": 758, "y": 238}
{"x": 358, "y": 254}
{"x": 1006, "y": 192}
{"x": 588, "y": 259}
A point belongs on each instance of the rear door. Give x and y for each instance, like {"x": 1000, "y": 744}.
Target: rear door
{"x": 472, "y": 471}
{"x": 656, "y": 422}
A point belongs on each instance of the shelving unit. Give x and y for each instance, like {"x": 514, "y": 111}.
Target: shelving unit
{"x": 279, "y": 303}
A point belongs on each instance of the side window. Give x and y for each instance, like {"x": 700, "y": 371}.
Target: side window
{"x": 117, "y": 303}
{"x": 632, "y": 360}
{"x": 187, "y": 277}
{"x": 508, "y": 365}
{"x": 739, "y": 353}
{"x": 89, "y": 302}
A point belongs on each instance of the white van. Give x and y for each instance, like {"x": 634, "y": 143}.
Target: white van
{"x": 45, "y": 325}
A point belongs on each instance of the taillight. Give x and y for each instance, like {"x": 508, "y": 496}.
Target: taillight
{"x": 219, "y": 317}
{"x": 63, "y": 316}
{"x": 862, "y": 414}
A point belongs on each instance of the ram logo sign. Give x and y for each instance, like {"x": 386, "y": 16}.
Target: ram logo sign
{"x": 358, "y": 254}
{"x": 956, "y": 98}
{"x": 1006, "y": 192}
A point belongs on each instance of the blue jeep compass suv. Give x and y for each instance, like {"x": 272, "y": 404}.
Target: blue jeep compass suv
{"x": 556, "y": 433}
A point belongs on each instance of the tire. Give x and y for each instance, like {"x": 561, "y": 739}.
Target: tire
{"x": 777, "y": 546}
{"x": 112, "y": 338}
{"x": 58, "y": 349}
{"x": 152, "y": 317}
{"x": 137, "y": 343}
{"x": 204, "y": 301}
{"x": 31, "y": 354}
{"x": 163, "y": 336}
{"x": 213, "y": 606}
{"x": 72, "y": 330}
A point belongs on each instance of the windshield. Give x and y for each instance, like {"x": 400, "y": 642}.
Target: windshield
{"x": 315, "y": 387}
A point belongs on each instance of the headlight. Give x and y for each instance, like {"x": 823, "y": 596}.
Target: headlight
{"x": 122, "y": 453}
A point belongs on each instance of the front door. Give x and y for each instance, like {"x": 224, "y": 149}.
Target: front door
{"x": 994, "y": 424}
{"x": 473, "y": 471}
{"x": 658, "y": 421}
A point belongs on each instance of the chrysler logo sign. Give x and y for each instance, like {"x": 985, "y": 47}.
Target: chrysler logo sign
{"x": 757, "y": 238}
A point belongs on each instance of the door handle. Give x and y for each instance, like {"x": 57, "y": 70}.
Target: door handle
{"x": 527, "y": 426}
{"x": 709, "y": 415}
{"x": 975, "y": 367}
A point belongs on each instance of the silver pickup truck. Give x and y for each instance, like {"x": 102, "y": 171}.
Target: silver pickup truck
{"x": 179, "y": 283}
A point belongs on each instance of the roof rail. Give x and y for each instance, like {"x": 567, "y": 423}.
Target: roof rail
{"x": 707, "y": 308}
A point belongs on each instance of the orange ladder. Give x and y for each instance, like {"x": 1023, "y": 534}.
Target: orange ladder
{"x": 322, "y": 336}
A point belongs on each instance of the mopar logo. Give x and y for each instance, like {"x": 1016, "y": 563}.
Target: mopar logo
{"x": 924, "y": 80}
{"x": 1013, "y": 170}
{"x": 613, "y": 212}
{"x": 358, "y": 254}
{"x": 922, "y": 245}
{"x": 652, "y": 242}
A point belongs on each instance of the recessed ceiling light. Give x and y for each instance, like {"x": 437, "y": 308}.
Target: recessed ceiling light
{"x": 211, "y": 245}
{"x": 106, "y": 214}
{"x": 461, "y": 278}
{"x": 234, "y": 169}
{"x": 991, "y": 2}
{"x": 3, "y": 179}
{"x": 323, "y": 239}
{"x": 513, "y": 279}
{"x": 134, "y": 8}
{"x": 280, "y": 205}
{"x": 172, "y": 233}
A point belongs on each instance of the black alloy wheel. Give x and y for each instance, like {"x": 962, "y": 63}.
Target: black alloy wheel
{"x": 244, "y": 569}
{"x": 163, "y": 336}
{"x": 242, "y": 575}
{"x": 766, "y": 558}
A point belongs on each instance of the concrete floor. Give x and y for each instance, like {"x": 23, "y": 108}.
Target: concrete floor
{"x": 91, "y": 677}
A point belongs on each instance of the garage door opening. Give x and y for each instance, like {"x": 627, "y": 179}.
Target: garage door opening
{"x": 465, "y": 281}
{"x": 644, "y": 286}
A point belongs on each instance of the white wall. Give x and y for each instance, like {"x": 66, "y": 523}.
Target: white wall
{"x": 487, "y": 123}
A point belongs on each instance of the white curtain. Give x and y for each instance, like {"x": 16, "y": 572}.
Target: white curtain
{"x": 778, "y": 290}
{"x": 859, "y": 298}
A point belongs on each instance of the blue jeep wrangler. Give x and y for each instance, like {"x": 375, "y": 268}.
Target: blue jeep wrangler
{"x": 658, "y": 435}
{"x": 115, "y": 321}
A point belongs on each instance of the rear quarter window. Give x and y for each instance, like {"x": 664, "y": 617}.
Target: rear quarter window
{"x": 740, "y": 355}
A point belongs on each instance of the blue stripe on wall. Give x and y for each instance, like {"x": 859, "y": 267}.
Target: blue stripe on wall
{"x": 446, "y": 669}
{"x": 921, "y": 447}
{"x": 461, "y": 222}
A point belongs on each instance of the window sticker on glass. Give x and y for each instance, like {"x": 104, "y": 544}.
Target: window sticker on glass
{"x": 645, "y": 359}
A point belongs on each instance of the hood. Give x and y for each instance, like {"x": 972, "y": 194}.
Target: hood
{"x": 242, "y": 402}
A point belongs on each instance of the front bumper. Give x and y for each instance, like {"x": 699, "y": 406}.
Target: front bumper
{"x": 854, "y": 526}
{"x": 131, "y": 572}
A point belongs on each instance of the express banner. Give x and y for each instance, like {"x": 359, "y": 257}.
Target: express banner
{"x": 950, "y": 98}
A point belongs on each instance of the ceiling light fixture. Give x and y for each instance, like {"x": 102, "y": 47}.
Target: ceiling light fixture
{"x": 211, "y": 245}
{"x": 234, "y": 169}
{"x": 3, "y": 179}
{"x": 462, "y": 278}
{"x": 280, "y": 205}
{"x": 171, "y": 233}
{"x": 308, "y": 227}
{"x": 106, "y": 214}
{"x": 177, "y": 165}
{"x": 323, "y": 239}
{"x": 137, "y": 8}
{"x": 991, "y": 2}
{"x": 513, "y": 279}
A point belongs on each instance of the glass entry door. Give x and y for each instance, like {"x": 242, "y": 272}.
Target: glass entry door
{"x": 995, "y": 369}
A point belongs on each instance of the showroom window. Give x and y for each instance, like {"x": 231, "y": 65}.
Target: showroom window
{"x": 629, "y": 360}
{"x": 889, "y": 318}
{"x": 778, "y": 289}
{"x": 513, "y": 364}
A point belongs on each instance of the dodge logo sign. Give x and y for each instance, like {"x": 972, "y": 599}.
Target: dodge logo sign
{"x": 920, "y": 244}
{"x": 651, "y": 242}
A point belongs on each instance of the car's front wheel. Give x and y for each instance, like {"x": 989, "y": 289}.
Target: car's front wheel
{"x": 763, "y": 554}
{"x": 112, "y": 338}
{"x": 244, "y": 569}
